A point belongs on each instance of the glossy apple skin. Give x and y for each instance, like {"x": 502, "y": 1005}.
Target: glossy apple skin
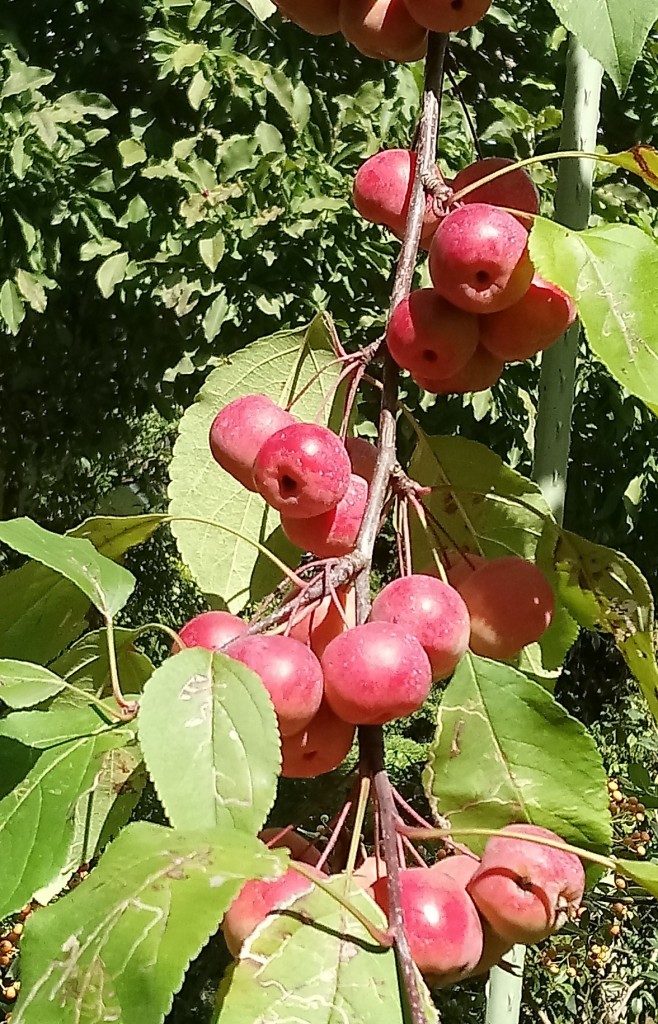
{"x": 318, "y": 625}
{"x": 382, "y": 192}
{"x": 511, "y": 604}
{"x": 531, "y": 325}
{"x": 429, "y": 336}
{"x": 320, "y": 17}
{"x": 256, "y": 900}
{"x": 375, "y": 673}
{"x": 481, "y": 372}
{"x": 442, "y": 925}
{"x": 526, "y": 891}
{"x": 382, "y": 29}
{"x": 320, "y": 748}
{"x": 445, "y": 15}
{"x": 212, "y": 630}
{"x": 433, "y": 612}
{"x": 515, "y": 190}
{"x": 333, "y": 533}
{"x": 302, "y": 470}
{"x": 363, "y": 457}
{"x": 290, "y": 673}
{"x": 239, "y": 431}
{"x": 479, "y": 259}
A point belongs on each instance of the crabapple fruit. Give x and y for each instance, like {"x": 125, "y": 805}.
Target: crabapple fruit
{"x": 302, "y": 470}
{"x": 363, "y": 457}
{"x": 431, "y": 611}
{"x": 375, "y": 673}
{"x": 320, "y": 17}
{"x": 431, "y": 337}
{"x": 332, "y": 533}
{"x": 447, "y": 15}
{"x": 370, "y": 871}
{"x": 212, "y": 630}
{"x": 516, "y": 189}
{"x": 239, "y": 431}
{"x": 321, "y": 623}
{"x": 300, "y": 848}
{"x": 479, "y": 259}
{"x": 256, "y": 900}
{"x": 526, "y": 891}
{"x": 481, "y": 372}
{"x": 322, "y": 746}
{"x": 460, "y": 565}
{"x": 511, "y": 604}
{"x": 460, "y": 867}
{"x": 531, "y": 325}
{"x": 441, "y": 922}
{"x": 290, "y": 673}
{"x": 382, "y": 29}
{"x": 382, "y": 192}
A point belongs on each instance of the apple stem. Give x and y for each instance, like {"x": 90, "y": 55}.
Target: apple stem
{"x": 335, "y": 835}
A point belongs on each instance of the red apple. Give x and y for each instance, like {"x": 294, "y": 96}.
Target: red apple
{"x": 430, "y": 337}
{"x": 515, "y": 190}
{"x": 322, "y": 622}
{"x": 212, "y": 630}
{"x": 363, "y": 457}
{"x": 239, "y": 431}
{"x": 382, "y": 191}
{"x": 256, "y": 900}
{"x": 320, "y": 17}
{"x": 383, "y": 29}
{"x": 322, "y": 746}
{"x": 447, "y": 15}
{"x": 532, "y": 325}
{"x": 302, "y": 470}
{"x": 300, "y": 848}
{"x": 481, "y": 372}
{"x": 333, "y": 533}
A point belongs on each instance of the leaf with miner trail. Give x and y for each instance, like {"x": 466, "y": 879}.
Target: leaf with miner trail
{"x": 106, "y": 584}
{"x": 316, "y": 964}
{"x": 22, "y": 684}
{"x": 604, "y": 590}
{"x": 505, "y": 751}
{"x": 641, "y": 160}
{"x": 210, "y": 740}
{"x": 36, "y": 818}
{"x": 118, "y": 946}
{"x": 86, "y": 664}
{"x": 612, "y": 31}
{"x": 610, "y": 271}
{"x": 644, "y": 872}
{"x": 279, "y": 366}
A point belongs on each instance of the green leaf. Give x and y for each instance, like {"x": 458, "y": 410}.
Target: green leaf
{"x": 132, "y": 152}
{"x": 317, "y": 965}
{"x": 111, "y": 272}
{"x": 505, "y": 751}
{"x": 22, "y": 684}
{"x": 123, "y": 939}
{"x": 12, "y": 309}
{"x": 36, "y": 818}
{"x": 278, "y": 366}
{"x": 106, "y": 584}
{"x": 215, "y": 316}
{"x": 32, "y": 290}
{"x": 86, "y": 664}
{"x": 261, "y": 9}
{"x": 604, "y": 590}
{"x": 187, "y": 55}
{"x": 612, "y": 31}
{"x": 212, "y": 250}
{"x": 645, "y": 873}
{"x": 40, "y": 611}
{"x": 210, "y": 741}
{"x": 25, "y": 79}
{"x": 610, "y": 271}
{"x": 199, "y": 88}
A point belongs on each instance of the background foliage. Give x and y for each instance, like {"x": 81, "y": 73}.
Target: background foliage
{"x": 176, "y": 183}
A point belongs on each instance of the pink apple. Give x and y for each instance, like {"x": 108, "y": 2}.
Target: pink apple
{"x": 523, "y": 890}
{"x": 333, "y": 533}
{"x": 532, "y": 325}
{"x": 322, "y": 746}
{"x": 383, "y": 29}
{"x": 291, "y": 674}
{"x": 511, "y": 604}
{"x": 433, "y": 612}
{"x": 375, "y": 673}
{"x": 429, "y": 336}
{"x": 302, "y": 470}
{"x": 479, "y": 259}
{"x": 481, "y": 372}
{"x": 370, "y": 871}
{"x": 239, "y": 431}
{"x": 256, "y": 900}
{"x": 382, "y": 191}
{"x": 319, "y": 624}
{"x": 363, "y": 457}
{"x": 515, "y": 190}
{"x": 212, "y": 630}
{"x": 460, "y": 565}
{"x": 447, "y": 15}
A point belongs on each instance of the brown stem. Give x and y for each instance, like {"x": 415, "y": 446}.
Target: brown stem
{"x": 371, "y": 739}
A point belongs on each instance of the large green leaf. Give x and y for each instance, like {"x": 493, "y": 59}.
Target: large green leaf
{"x": 604, "y": 590}
{"x": 611, "y": 273}
{"x": 42, "y": 612}
{"x": 316, "y": 964}
{"x": 37, "y": 817}
{"x": 278, "y": 366}
{"x": 645, "y": 873}
{"x": 210, "y": 741}
{"x": 505, "y": 752}
{"x": 612, "y": 31}
{"x": 23, "y": 684}
{"x": 86, "y": 664}
{"x": 106, "y": 584}
{"x": 117, "y": 948}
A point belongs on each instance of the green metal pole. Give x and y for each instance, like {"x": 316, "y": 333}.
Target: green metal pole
{"x": 573, "y": 206}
